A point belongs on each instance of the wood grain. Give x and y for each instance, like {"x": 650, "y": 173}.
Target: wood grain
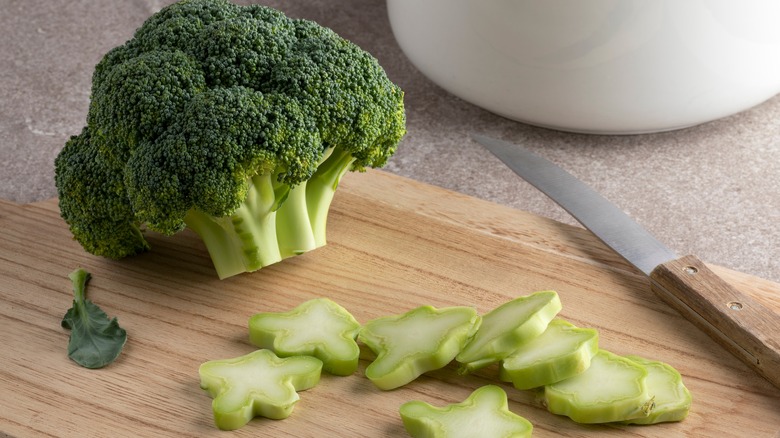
{"x": 394, "y": 244}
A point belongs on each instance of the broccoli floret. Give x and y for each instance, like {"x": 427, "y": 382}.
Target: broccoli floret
{"x": 92, "y": 193}
{"x": 139, "y": 98}
{"x": 234, "y": 121}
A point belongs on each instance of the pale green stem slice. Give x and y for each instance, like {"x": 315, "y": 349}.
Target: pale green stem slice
{"x": 256, "y": 384}
{"x": 560, "y": 352}
{"x": 485, "y": 413}
{"x": 506, "y": 327}
{"x": 318, "y": 327}
{"x": 613, "y": 388}
{"x": 421, "y": 340}
{"x": 664, "y": 384}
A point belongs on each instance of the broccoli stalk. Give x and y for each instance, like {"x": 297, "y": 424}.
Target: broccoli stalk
{"x": 237, "y": 122}
{"x": 322, "y": 187}
{"x": 274, "y": 222}
{"x": 245, "y": 241}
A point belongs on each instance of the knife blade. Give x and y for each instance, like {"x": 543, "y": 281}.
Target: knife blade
{"x": 739, "y": 323}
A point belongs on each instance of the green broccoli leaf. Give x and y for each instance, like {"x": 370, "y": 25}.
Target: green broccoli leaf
{"x": 95, "y": 340}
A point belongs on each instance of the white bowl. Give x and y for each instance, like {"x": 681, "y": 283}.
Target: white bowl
{"x": 600, "y": 66}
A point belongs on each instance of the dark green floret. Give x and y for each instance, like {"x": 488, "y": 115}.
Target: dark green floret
{"x": 235, "y": 121}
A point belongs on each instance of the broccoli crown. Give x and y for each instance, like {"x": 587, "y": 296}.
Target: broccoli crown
{"x": 206, "y": 96}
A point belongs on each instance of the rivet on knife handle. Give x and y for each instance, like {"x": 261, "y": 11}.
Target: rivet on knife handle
{"x": 736, "y": 321}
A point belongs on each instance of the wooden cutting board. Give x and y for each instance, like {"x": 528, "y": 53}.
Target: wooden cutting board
{"x": 394, "y": 244}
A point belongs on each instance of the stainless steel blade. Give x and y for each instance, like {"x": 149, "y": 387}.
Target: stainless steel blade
{"x": 613, "y": 226}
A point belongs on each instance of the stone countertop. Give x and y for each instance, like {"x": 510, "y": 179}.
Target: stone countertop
{"x": 712, "y": 190}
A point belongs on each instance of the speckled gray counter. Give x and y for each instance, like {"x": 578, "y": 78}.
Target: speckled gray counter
{"x": 712, "y": 190}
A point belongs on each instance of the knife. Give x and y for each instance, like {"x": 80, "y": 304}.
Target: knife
{"x": 740, "y": 324}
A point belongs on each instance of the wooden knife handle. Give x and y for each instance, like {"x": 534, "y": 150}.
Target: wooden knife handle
{"x": 746, "y": 328}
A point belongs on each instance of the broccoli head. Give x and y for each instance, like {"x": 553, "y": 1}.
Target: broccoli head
{"x": 237, "y": 122}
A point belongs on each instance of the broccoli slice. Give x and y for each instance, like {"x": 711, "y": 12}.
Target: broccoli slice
{"x": 413, "y": 343}
{"x": 484, "y": 413}
{"x": 318, "y": 327}
{"x": 257, "y": 383}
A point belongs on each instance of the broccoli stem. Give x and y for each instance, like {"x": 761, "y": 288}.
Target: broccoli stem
{"x": 79, "y": 278}
{"x": 275, "y": 221}
{"x": 293, "y": 227}
{"x": 321, "y": 188}
{"x": 245, "y": 241}
{"x": 301, "y": 220}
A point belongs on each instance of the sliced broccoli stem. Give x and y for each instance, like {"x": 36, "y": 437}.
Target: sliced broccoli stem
{"x": 321, "y": 188}
{"x": 319, "y": 328}
{"x": 256, "y": 384}
{"x": 245, "y": 241}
